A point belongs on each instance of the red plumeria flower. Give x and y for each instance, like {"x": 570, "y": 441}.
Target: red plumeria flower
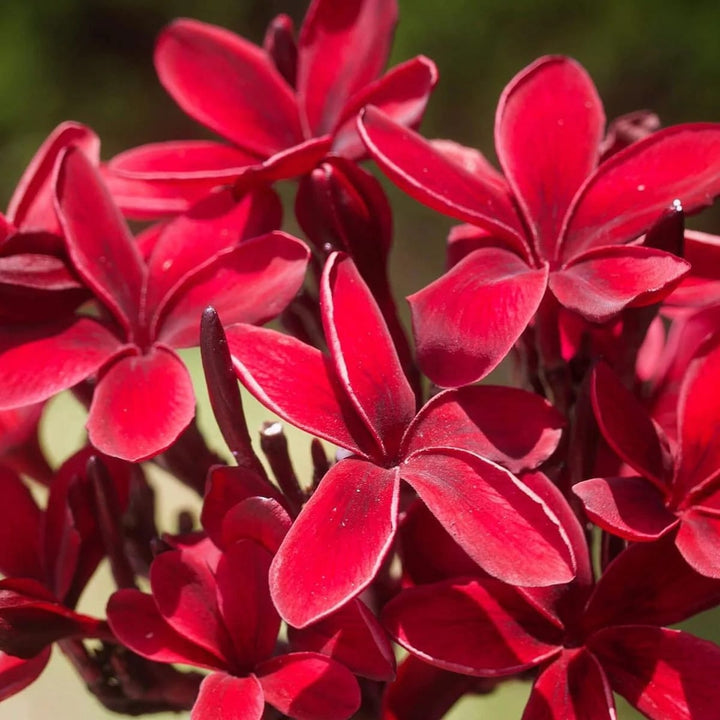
{"x": 359, "y": 399}
{"x": 212, "y": 609}
{"x": 281, "y": 107}
{"x": 588, "y": 639}
{"x": 674, "y": 489}
{"x": 556, "y": 221}
{"x": 144, "y": 398}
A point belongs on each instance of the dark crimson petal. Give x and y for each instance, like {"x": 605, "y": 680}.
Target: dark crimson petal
{"x": 20, "y": 446}
{"x": 214, "y": 224}
{"x": 482, "y": 628}
{"x": 296, "y": 382}
{"x": 99, "y": 242}
{"x": 427, "y": 174}
{"x": 698, "y": 415}
{"x": 666, "y": 674}
{"x": 36, "y": 271}
{"x": 185, "y": 592}
{"x": 466, "y": 321}
{"x": 279, "y": 43}
{"x": 141, "y": 405}
{"x": 422, "y": 690}
{"x": 504, "y": 526}
{"x": 225, "y": 697}
{"x": 308, "y": 686}
{"x": 484, "y": 420}
{"x": 229, "y": 85}
{"x": 260, "y": 519}
{"x": 342, "y": 47}
{"x": 16, "y": 674}
{"x": 402, "y": 93}
{"x": 250, "y": 283}
{"x": 629, "y": 429}
{"x": 137, "y": 623}
{"x": 650, "y": 583}
{"x": 601, "y": 282}
{"x": 630, "y": 190}
{"x": 698, "y": 539}
{"x": 20, "y": 519}
{"x": 374, "y": 381}
{"x": 31, "y": 206}
{"x": 353, "y": 636}
{"x": 548, "y": 128}
{"x": 227, "y": 487}
{"x": 243, "y": 597}
{"x": 574, "y": 687}
{"x": 181, "y": 160}
{"x": 337, "y": 543}
{"x": 38, "y": 362}
{"x": 630, "y": 507}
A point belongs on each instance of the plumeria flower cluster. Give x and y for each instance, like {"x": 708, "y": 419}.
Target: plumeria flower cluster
{"x": 553, "y": 529}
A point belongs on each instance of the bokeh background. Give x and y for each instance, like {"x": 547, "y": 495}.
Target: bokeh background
{"x": 91, "y": 61}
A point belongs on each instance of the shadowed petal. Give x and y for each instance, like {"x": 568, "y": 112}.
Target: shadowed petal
{"x": 20, "y": 519}
{"x": 16, "y": 674}
{"x": 229, "y": 85}
{"x": 466, "y": 321}
{"x": 260, "y": 519}
{"x": 602, "y": 282}
{"x": 698, "y": 539}
{"x": 337, "y": 543}
{"x": 342, "y": 47}
{"x": 141, "y": 404}
{"x": 548, "y": 128}
{"x": 39, "y": 361}
{"x": 225, "y": 697}
{"x": 308, "y": 686}
{"x": 504, "y": 526}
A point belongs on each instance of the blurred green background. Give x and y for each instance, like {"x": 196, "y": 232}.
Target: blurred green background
{"x": 91, "y": 61}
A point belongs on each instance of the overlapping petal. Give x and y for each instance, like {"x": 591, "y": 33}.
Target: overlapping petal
{"x": 225, "y": 697}
{"x": 20, "y": 520}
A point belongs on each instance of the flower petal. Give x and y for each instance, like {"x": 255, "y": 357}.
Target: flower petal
{"x": 698, "y": 539}
{"x": 504, "y": 526}
{"x": 260, "y": 519}
{"x": 141, "y": 405}
{"x": 226, "y": 697}
{"x": 20, "y": 520}
{"x": 342, "y": 47}
{"x": 308, "y": 686}
{"x": 630, "y": 190}
{"x": 600, "y": 283}
{"x": 16, "y": 674}
{"x": 466, "y": 321}
{"x": 548, "y": 128}
{"x": 337, "y": 543}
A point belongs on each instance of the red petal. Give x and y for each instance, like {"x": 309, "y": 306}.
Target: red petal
{"x": 427, "y": 174}
{"x": 574, "y": 687}
{"x": 185, "y": 592}
{"x": 466, "y": 321}
{"x": 630, "y": 507}
{"x": 505, "y": 527}
{"x": 600, "y": 283}
{"x": 698, "y": 539}
{"x": 229, "y": 85}
{"x": 307, "y": 686}
{"x": 666, "y": 674}
{"x": 374, "y": 381}
{"x": 473, "y": 161}
{"x": 16, "y": 674}
{"x": 402, "y": 93}
{"x": 442, "y": 623}
{"x": 636, "y": 185}
{"x": 218, "y": 222}
{"x": 137, "y": 623}
{"x": 225, "y": 697}
{"x": 98, "y": 239}
{"x": 337, "y": 543}
{"x": 342, "y": 47}
{"x": 250, "y": 283}
{"x": 20, "y": 520}
{"x": 244, "y": 601}
{"x": 702, "y": 285}
{"x": 484, "y": 420}
{"x": 629, "y": 429}
{"x": 31, "y": 206}
{"x": 548, "y": 128}
{"x": 39, "y": 361}
{"x": 297, "y": 383}
{"x": 141, "y": 405}
{"x": 353, "y": 636}
{"x": 260, "y": 519}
